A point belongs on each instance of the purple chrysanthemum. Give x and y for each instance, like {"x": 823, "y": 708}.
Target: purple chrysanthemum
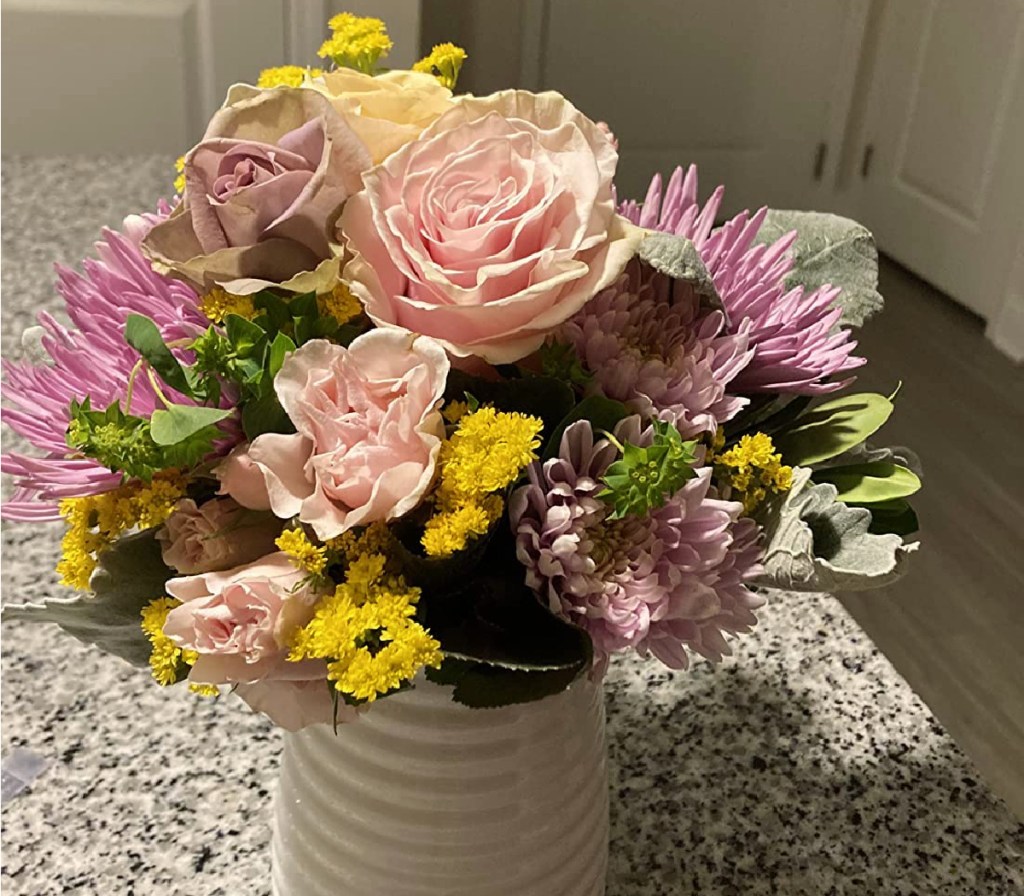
{"x": 89, "y": 359}
{"x": 671, "y": 581}
{"x": 797, "y": 344}
{"x": 647, "y": 342}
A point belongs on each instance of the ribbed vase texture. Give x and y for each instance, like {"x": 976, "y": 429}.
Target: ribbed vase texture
{"x": 423, "y": 796}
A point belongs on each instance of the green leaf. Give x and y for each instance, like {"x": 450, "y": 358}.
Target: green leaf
{"x": 488, "y": 687}
{"x": 279, "y": 349}
{"x": 896, "y": 517}
{"x": 870, "y": 483}
{"x": 130, "y": 574}
{"x": 829, "y": 429}
{"x": 263, "y": 413}
{"x": 144, "y": 336}
{"x": 815, "y": 543}
{"x": 180, "y": 422}
{"x": 247, "y": 338}
{"x": 678, "y": 258}
{"x": 603, "y": 414}
{"x": 832, "y": 250}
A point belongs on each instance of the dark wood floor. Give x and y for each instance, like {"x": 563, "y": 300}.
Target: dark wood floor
{"x": 954, "y": 628}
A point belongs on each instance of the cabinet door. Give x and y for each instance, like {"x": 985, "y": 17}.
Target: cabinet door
{"x": 741, "y": 88}
{"x": 943, "y": 185}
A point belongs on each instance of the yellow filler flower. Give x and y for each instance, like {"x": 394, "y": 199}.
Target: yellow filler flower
{"x": 753, "y": 468}
{"x": 444, "y": 63}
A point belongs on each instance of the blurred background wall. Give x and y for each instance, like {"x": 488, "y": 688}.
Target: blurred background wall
{"x": 907, "y": 114}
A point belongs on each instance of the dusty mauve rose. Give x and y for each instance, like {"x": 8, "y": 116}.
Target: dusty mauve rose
{"x": 492, "y": 228}
{"x": 388, "y": 110}
{"x": 262, "y": 192}
{"x": 239, "y": 621}
{"x": 368, "y": 427}
{"x": 216, "y": 535}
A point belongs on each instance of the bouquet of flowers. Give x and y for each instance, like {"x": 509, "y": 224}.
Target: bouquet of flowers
{"x": 395, "y": 386}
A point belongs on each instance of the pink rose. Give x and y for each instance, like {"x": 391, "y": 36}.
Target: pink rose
{"x": 262, "y": 192}
{"x": 239, "y": 621}
{"x": 369, "y": 431}
{"x": 492, "y": 228}
{"x": 217, "y": 535}
{"x": 296, "y": 704}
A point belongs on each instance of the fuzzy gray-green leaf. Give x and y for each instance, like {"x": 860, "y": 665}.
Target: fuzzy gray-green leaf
{"x": 130, "y": 574}
{"x": 677, "y": 257}
{"x": 830, "y": 250}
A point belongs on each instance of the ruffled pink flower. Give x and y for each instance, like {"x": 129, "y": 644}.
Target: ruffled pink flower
{"x": 293, "y": 705}
{"x": 240, "y": 621}
{"x": 90, "y": 358}
{"x": 672, "y": 581}
{"x": 215, "y": 535}
{"x": 368, "y": 427}
{"x": 798, "y": 346}
{"x": 648, "y": 343}
{"x": 492, "y": 228}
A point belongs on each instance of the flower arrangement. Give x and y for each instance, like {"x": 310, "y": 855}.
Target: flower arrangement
{"x": 396, "y": 387}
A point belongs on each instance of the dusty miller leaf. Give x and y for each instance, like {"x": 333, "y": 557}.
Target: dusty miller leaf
{"x": 830, "y": 249}
{"x": 677, "y": 257}
{"x": 816, "y": 543}
{"x": 130, "y": 574}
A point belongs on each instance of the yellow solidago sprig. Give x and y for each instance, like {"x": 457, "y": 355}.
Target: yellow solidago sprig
{"x": 340, "y": 304}
{"x": 753, "y": 469}
{"x": 358, "y": 42}
{"x": 287, "y": 76}
{"x": 179, "y": 180}
{"x": 95, "y": 522}
{"x": 367, "y": 633}
{"x": 304, "y": 554}
{"x": 444, "y": 63}
{"x": 485, "y": 454}
{"x": 167, "y": 661}
{"x": 217, "y": 304}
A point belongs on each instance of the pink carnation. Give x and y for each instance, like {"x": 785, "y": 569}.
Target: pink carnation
{"x": 369, "y": 431}
{"x": 671, "y": 581}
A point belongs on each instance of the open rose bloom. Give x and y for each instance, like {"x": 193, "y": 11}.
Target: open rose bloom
{"x": 395, "y": 386}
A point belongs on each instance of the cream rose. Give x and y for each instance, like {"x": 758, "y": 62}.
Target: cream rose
{"x": 388, "y": 110}
{"x": 262, "y": 192}
{"x": 368, "y": 427}
{"x": 492, "y": 228}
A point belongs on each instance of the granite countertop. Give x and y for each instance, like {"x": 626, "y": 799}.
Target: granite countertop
{"x": 803, "y": 765}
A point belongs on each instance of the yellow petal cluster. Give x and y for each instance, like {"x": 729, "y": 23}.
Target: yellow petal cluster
{"x": 304, "y": 554}
{"x": 340, "y": 304}
{"x": 444, "y": 63}
{"x": 217, "y": 304}
{"x": 485, "y": 454}
{"x": 95, "y": 522}
{"x": 167, "y": 660}
{"x": 179, "y": 181}
{"x": 753, "y": 469}
{"x": 356, "y": 42}
{"x": 287, "y": 76}
{"x": 366, "y": 632}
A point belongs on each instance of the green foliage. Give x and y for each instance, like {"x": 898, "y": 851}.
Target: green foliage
{"x": 830, "y": 250}
{"x": 831, "y": 428}
{"x": 179, "y": 424}
{"x": 603, "y": 414}
{"x": 869, "y": 483}
{"x": 644, "y": 477}
{"x": 895, "y": 517}
{"x": 131, "y": 573}
{"x": 678, "y": 258}
{"x": 120, "y": 441}
{"x": 144, "y": 336}
{"x": 560, "y": 361}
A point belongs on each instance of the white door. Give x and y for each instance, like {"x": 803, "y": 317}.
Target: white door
{"x": 943, "y": 178}
{"x": 744, "y": 89}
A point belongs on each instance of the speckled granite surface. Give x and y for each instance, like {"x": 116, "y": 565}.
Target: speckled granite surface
{"x": 805, "y": 765}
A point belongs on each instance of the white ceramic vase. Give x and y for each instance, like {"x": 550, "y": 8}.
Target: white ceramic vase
{"x": 423, "y": 796}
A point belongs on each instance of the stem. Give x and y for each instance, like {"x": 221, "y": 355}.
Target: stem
{"x": 613, "y": 440}
{"x": 156, "y": 388}
{"x": 131, "y": 385}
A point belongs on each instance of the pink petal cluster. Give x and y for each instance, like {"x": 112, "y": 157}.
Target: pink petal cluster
{"x": 369, "y": 431}
{"x": 90, "y": 358}
{"x": 672, "y": 581}
{"x": 798, "y": 346}
{"x": 647, "y": 342}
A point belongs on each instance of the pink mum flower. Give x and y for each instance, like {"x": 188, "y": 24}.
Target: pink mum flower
{"x": 672, "y": 581}
{"x": 797, "y": 344}
{"x": 649, "y": 344}
{"x": 90, "y": 359}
